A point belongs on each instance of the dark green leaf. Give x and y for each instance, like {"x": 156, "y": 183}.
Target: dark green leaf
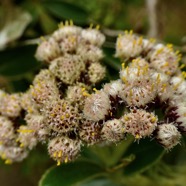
{"x": 146, "y": 154}
{"x": 66, "y": 10}
{"x": 71, "y": 174}
{"x": 99, "y": 182}
{"x": 18, "y": 61}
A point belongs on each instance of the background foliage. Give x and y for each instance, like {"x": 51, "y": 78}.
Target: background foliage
{"x": 22, "y": 23}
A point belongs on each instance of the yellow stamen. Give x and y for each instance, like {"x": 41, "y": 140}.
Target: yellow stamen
{"x": 131, "y": 32}
{"x": 25, "y": 130}
{"x": 60, "y": 154}
{"x": 66, "y": 23}
{"x": 8, "y": 162}
{"x": 94, "y": 89}
{"x": 153, "y": 119}
{"x": 62, "y": 117}
{"x": 42, "y": 38}
{"x": 159, "y": 51}
{"x": 86, "y": 94}
{"x": 126, "y": 118}
{"x": 152, "y": 40}
{"x": 123, "y": 66}
{"x": 97, "y": 27}
{"x": 182, "y": 66}
{"x": 67, "y": 115}
{"x": 140, "y": 41}
{"x": 137, "y": 136}
{"x": 91, "y": 26}
{"x": 66, "y": 160}
{"x": 58, "y": 163}
{"x": 126, "y": 31}
{"x": 55, "y": 154}
{"x": 61, "y": 25}
{"x": 71, "y": 23}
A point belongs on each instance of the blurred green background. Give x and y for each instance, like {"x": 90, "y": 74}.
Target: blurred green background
{"x": 22, "y": 22}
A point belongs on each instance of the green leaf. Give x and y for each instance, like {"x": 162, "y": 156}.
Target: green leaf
{"x": 18, "y": 61}
{"x": 66, "y": 10}
{"x": 146, "y": 154}
{"x": 71, "y": 174}
{"x": 99, "y": 182}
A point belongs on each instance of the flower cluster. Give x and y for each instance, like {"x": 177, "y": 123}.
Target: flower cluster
{"x": 61, "y": 107}
{"x": 50, "y": 111}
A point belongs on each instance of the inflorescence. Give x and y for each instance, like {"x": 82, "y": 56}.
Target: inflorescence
{"x": 64, "y": 110}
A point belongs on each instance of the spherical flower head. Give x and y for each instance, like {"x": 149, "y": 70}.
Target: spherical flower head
{"x": 63, "y": 149}
{"x": 178, "y": 85}
{"x": 164, "y": 59}
{"x": 96, "y": 72}
{"x": 48, "y": 50}
{"x": 69, "y": 44}
{"x": 89, "y": 53}
{"x": 168, "y": 135}
{"x": 61, "y": 116}
{"x": 66, "y": 31}
{"x": 128, "y": 45}
{"x": 148, "y": 44}
{"x": 37, "y": 124}
{"x": 113, "y": 130}
{"x": 10, "y": 105}
{"x": 180, "y": 115}
{"x": 140, "y": 123}
{"x": 158, "y": 77}
{"x": 27, "y": 102}
{"x": 90, "y": 132}
{"x": 76, "y": 94}
{"x": 26, "y": 137}
{"x": 133, "y": 73}
{"x": 6, "y": 130}
{"x": 45, "y": 89}
{"x": 92, "y": 36}
{"x": 67, "y": 37}
{"x": 13, "y": 154}
{"x": 113, "y": 88}
{"x": 161, "y": 82}
{"x": 139, "y": 63}
{"x": 97, "y": 106}
{"x": 68, "y": 68}
{"x": 139, "y": 93}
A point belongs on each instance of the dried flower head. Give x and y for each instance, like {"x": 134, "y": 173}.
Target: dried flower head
{"x": 64, "y": 149}
{"x": 90, "y": 132}
{"x": 26, "y": 137}
{"x": 113, "y": 130}
{"x": 68, "y": 68}
{"x": 12, "y": 154}
{"x": 96, "y": 72}
{"x": 61, "y": 116}
{"x": 10, "y": 105}
{"x": 6, "y": 130}
{"x": 140, "y": 123}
